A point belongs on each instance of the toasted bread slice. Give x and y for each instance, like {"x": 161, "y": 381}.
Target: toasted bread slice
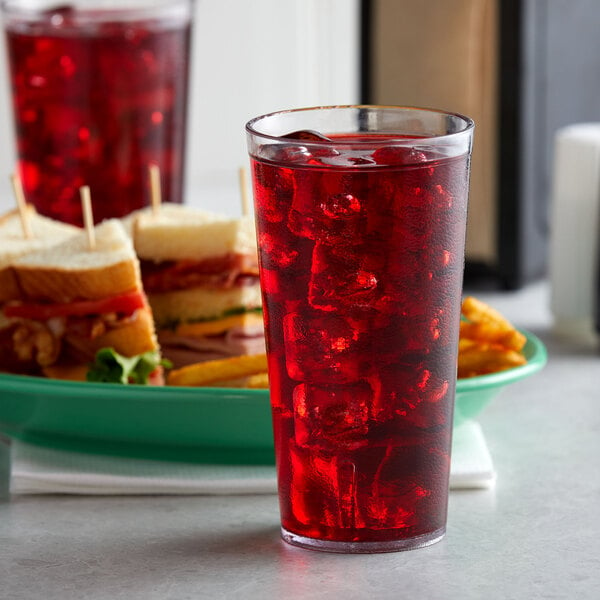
{"x": 180, "y": 232}
{"x": 71, "y": 270}
{"x": 180, "y": 306}
{"x": 9, "y": 289}
{"x": 14, "y": 244}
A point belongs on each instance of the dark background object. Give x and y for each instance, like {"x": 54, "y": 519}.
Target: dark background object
{"x": 547, "y": 75}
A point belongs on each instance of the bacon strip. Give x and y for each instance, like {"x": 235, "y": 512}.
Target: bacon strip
{"x": 222, "y": 272}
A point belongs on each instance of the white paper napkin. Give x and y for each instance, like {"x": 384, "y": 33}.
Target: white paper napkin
{"x": 37, "y": 470}
{"x": 471, "y": 466}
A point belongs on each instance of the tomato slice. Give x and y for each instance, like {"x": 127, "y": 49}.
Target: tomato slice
{"x": 125, "y": 304}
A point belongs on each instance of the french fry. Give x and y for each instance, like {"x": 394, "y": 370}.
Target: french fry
{"x": 257, "y": 381}
{"x": 215, "y": 371}
{"x": 482, "y": 360}
{"x": 493, "y": 334}
{"x": 488, "y": 342}
{"x": 477, "y": 311}
{"x": 465, "y": 344}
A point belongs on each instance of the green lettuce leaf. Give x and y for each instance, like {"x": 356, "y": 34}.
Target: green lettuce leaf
{"x": 111, "y": 367}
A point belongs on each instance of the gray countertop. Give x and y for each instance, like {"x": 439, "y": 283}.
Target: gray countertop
{"x": 535, "y": 535}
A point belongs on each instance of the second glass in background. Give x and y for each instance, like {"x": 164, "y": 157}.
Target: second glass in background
{"x": 100, "y": 90}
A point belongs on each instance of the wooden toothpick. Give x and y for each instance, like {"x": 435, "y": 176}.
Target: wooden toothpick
{"x": 155, "y": 192}
{"x": 17, "y": 186}
{"x": 244, "y": 191}
{"x": 88, "y": 216}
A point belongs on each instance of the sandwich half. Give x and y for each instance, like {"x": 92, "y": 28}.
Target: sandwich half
{"x": 75, "y": 300}
{"x": 14, "y": 244}
{"x": 200, "y": 272}
{"x": 45, "y": 233}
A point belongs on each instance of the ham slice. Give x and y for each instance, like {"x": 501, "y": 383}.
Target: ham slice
{"x": 186, "y": 350}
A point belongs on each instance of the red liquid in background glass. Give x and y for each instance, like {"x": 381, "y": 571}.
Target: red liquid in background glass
{"x": 94, "y": 105}
{"x": 361, "y": 271}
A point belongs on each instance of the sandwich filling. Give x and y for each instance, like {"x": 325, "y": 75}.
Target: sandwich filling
{"x": 221, "y": 272}
{"x": 40, "y": 334}
{"x": 201, "y": 309}
{"x": 200, "y": 271}
{"x": 232, "y": 335}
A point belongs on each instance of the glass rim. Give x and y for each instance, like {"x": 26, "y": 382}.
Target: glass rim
{"x": 251, "y": 130}
{"x": 33, "y": 7}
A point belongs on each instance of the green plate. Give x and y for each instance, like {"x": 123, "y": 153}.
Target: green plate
{"x": 475, "y": 393}
{"x": 177, "y": 423}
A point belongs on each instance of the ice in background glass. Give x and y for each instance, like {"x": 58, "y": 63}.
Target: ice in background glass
{"x": 361, "y": 244}
{"x": 99, "y": 93}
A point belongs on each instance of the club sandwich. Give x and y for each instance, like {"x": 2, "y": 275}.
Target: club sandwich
{"x": 200, "y": 272}
{"x": 75, "y": 300}
{"x": 18, "y": 239}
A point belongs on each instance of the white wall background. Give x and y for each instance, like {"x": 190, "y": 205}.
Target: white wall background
{"x": 249, "y": 58}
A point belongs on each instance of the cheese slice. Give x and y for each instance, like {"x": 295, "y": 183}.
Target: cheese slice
{"x": 217, "y": 326}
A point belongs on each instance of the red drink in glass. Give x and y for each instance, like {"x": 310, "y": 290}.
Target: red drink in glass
{"x": 98, "y": 96}
{"x": 361, "y": 245}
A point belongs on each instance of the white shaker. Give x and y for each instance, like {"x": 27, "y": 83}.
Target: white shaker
{"x": 575, "y": 230}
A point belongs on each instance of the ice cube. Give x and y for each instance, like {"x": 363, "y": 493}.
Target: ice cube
{"x": 420, "y": 330}
{"x": 339, "y": 280}
{"x": 440, "y": 197}
{"x": 409, "y": 489}
{"x": 274, "y": 191}
{"x": 340, "y": 207}
{"x": 347, "y": 160}
{"x": 274, "y": 253}
{"x": 349, "y": 278}
{"x": 398, "y": 155}
{"x": 285, "y": 153}
{"x": 307, "y": 135}
{"x": 336, "y": 217}
{"x": 416, "y": 396}
{"x": 330, "y": 416}
{"x": 320, "y": 349}
{"x": 323, "y": 488}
